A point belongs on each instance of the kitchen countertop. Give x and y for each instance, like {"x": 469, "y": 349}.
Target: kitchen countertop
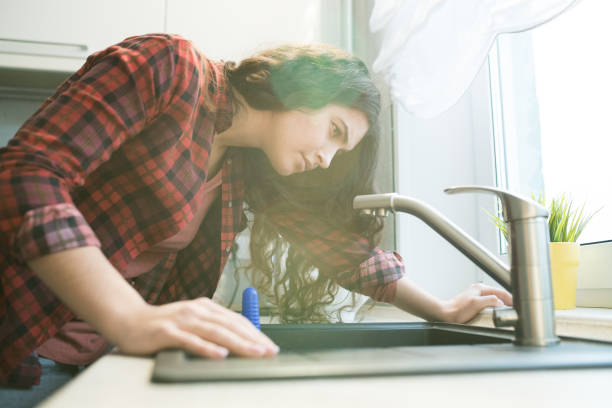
{"x": 116, "y": 380}
{"x": 590, "y": 323}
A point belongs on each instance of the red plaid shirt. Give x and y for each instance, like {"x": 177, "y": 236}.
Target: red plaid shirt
{"x": 117, "y": 158}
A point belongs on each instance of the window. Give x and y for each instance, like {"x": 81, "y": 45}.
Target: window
{"x": 551, "y": 93}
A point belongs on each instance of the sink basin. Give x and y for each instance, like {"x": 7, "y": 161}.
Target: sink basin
{"x": 312, "y": 337}
{"x": 364, "y": 349}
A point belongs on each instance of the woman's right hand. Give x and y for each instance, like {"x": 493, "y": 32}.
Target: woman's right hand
{"x": 90, "y": 286}
{"x": 199, "y": 326}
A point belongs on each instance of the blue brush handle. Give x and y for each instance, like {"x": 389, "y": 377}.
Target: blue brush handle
{"x": 250, "y": 306}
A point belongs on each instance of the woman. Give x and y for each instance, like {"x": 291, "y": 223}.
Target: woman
{"x": 123, "y": 194}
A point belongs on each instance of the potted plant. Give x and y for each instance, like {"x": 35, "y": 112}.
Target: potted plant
{"x": 565, "y": 224}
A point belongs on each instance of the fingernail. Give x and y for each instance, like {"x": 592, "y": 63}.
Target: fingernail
{"x": 274, "y": 349}
{"x": 222, "y": 352}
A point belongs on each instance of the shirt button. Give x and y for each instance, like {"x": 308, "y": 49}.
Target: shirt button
{"x": 228, "y": 249}
{"x": 229, "y": 161}
{"x": 229, "y": 204}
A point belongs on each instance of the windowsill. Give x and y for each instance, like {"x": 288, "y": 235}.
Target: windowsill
{"x": 585, "y": 322}
{"x": 591, "y": 323}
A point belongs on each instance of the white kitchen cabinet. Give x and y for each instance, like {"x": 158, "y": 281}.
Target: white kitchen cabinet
{"x": 232, "y": 30}
{"x": 58, "y": 35}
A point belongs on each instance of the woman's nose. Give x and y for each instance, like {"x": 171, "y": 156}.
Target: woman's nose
{"x": 324, "y": 157}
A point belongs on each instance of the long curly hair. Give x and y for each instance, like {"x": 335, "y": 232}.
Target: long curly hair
{"x": 288, "y": 78}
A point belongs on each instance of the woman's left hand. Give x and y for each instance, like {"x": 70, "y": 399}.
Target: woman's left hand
{"x": 467, "y": 304}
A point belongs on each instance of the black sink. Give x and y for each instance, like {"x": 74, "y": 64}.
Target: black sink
{"x": 367, "y": 349}
{"x": 319, "y": 337}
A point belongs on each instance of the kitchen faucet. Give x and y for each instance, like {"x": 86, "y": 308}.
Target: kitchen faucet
{"x": 528, "y": 277}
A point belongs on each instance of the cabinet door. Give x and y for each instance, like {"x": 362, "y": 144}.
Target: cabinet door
{"x": 234, "y": 29}
{"x": 34, "y": 33}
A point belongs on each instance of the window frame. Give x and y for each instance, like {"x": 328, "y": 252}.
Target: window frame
{"x": 594, "y": 287}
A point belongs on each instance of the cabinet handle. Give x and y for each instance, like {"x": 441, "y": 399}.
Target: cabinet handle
{"x": 56, "y": 49}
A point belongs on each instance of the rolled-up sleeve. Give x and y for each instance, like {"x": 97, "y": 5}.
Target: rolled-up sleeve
{"x": 53, "y": 228}
{"x": 377, "y": 276}
{"x": 347, "y": 258}
{"x": 113, "y": 97}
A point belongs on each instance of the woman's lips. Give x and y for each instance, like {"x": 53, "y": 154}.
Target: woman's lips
{"x": 307, "y": 164}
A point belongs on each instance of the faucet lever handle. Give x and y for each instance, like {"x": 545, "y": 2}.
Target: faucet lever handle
{"x": 514, "y": 206}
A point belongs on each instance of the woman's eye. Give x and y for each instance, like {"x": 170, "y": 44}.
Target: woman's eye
{"x": 336, "y": 130}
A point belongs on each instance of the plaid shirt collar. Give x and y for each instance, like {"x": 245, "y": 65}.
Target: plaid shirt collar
{"x": 224, "y": 104}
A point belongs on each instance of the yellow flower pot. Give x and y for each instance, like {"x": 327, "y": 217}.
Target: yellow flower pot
{"x": 564, "y": 259}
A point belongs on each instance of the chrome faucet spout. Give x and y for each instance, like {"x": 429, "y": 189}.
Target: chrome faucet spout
{"x": 443, "y": 226}
{"x": 528, "y": 277}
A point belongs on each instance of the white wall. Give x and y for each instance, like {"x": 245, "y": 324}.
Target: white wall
{"x": 452, "y": 149}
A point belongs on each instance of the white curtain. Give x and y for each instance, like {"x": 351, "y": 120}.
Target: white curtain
{"x": 432, "y": 49}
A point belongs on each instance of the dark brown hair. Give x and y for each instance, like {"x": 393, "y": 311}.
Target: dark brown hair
{"x": 287, "y": 78}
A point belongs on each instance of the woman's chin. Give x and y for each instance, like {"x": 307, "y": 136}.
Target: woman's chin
{"x": 283, "y": 171}
{"x": 286, "y": 170}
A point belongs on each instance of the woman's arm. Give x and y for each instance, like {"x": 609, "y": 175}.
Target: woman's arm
{"x": 337, "y": 254}
{"x": 95, "y": 291}
{"x": 460, "y": 309}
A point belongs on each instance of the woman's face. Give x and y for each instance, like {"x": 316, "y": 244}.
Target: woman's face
{"x": 301, "y": 140}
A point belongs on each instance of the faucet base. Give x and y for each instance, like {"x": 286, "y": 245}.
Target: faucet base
{"x": 547, "y": 342}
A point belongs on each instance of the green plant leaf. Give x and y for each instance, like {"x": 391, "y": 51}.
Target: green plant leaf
{"x": 565, "y": 224}
{"x": 501, "y": 224}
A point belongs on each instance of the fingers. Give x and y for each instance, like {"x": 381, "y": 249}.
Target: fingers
{"x": 195, "y": 344}
{"x": 229, "y": 339}
{"x": 501, "y": 294}
{"x": 477, "y": 297}
{"x": 234, "y": 322}
{"x": 220, "y": 326}
{"x": 489, "y": 301}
